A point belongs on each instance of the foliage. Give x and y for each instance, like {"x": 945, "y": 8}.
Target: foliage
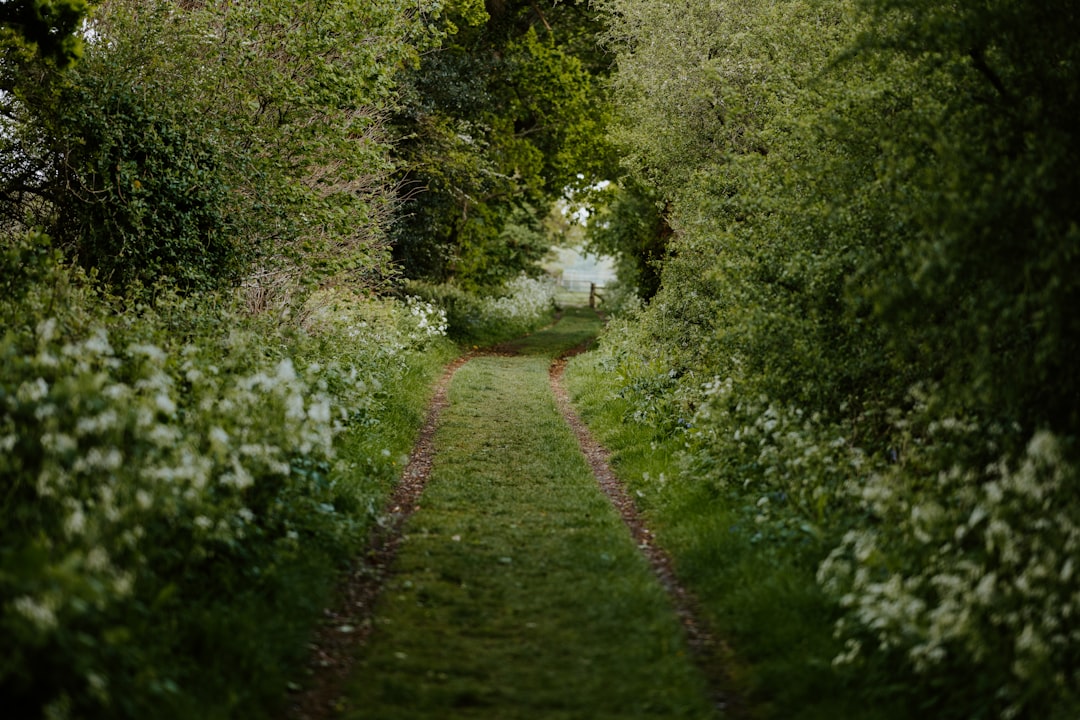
{"x": 308, "y": 119}
{"x": 175, "y": 504}
{"x": 628, "y": 224}
{"x": 144, "y": 189}
{"x": 496, "y": 124}
{"x": 519, "y": 307}
{"x": 214, "y": 141}
{"x": 864, "y": 330}
{"x": 748, "y": 558}
{"x": 47, "y": 26}
{"x": 970, "y": 573}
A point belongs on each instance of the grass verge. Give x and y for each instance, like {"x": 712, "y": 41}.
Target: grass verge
{"x": 519, "y": 593}
{"x": 761, "y": 597}
{"x": 372, "y": 453}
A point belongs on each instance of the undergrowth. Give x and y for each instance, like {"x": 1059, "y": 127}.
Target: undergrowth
{"x": 478, "y": 318}
{"x": 181, "y": 483}
{"x": 757, "y": 590}
{"x": 855, "y": 577}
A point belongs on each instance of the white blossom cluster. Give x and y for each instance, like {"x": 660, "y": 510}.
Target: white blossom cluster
{"x": 526, "y": 299}
{"x": 120, "y": 441}
{"x": 112, "y": 441}
{"x": 429, "y": 319}
{"x": 945, "y": 561}
{"x": 382, "y": 327}
{"x": 976, "y": 565}
{"x": 798, "y": 460}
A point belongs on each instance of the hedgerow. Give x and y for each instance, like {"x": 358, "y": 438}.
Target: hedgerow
{"x": 863, "y": 339}
{"x": 181, "y": 481}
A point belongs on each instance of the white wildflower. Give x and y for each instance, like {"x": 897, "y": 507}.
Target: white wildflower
{"x": 97, "y": 559}
{"x": 123, "y": 584}
{"x": 32, "y": 392}
{"x": 42, "y": 615}
{"x": 117, "y": 391}
{"x": 75, "y": 522}
{"x": 165, "y": 435}
{"x": 1043, "y": 447}
{"x": 150, "y": 352}
{"x": 59, "y": 443}
{"x": 99, "y": 459}
{"x": 984, "y": 591}
{"x": 294, "y": 407}
{"x": 165, "y": 404}
{"x": 98, "y": 685}
{"x": 239, "y": 478}
{"x": 97, "y": 424}
{"x": 97, "y": 344}
{"x": 319, "y": 411}
{"x": 46, "y": 330}
{"x": 285, "y": 371}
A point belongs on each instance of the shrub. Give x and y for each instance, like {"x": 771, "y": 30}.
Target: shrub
{"x": 520, "y": 306}
{"x": 967, "y": 574}
{"x": 174, "y": 504}
{"x": 868, "y": 309}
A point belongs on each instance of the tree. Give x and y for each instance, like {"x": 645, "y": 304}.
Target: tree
{"x": 496, "y": 123}
{"x": 629, "y": 223}
{"x": 205, "y": 143}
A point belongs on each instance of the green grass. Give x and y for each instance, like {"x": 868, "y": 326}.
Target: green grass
{"x": 568, "y": 298}
{"x": 518, "y": 591}
{"x": 762, "y": 599}
{"x": 365, "y": 471}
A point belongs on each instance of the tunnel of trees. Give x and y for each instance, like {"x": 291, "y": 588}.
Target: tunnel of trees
{"x": 231, "y": 231}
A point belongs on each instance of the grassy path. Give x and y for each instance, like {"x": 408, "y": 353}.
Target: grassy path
{"x": 518, "y": 591}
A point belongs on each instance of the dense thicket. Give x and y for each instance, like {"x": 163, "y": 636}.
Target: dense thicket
{"x": 875, "y": 261}
{"x": 180, "y": 483}
{"x": 205, "y": 143}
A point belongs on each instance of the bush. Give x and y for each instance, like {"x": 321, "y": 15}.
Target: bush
{"x": 519, "y": 307}
{"x": 967, "y": 574}
{"x": 151, "y": 190}
{"x": 186, "y": 145}
{"x": 865, "y": 330}
{"x": 175, "y": 504}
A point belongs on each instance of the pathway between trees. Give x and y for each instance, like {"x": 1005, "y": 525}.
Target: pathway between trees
{"x": 504, "y": 583}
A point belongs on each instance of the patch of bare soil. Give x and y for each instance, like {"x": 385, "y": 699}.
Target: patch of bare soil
{"x": 347, "y": 625}
{"x": 711, "y": 654}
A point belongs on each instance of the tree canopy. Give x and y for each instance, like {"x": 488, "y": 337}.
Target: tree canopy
{"x": 47, "y": 26}
{"x": 496, "y": 125}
